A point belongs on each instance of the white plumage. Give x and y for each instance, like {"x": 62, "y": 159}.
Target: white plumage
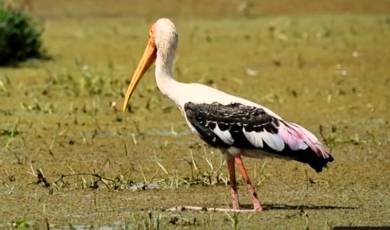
{"x": 224, "y": 135}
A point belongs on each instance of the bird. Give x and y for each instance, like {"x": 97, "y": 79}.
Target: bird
{"x": 237, "y": 126}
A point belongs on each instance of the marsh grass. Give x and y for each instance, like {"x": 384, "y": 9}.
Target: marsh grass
{"x": 171, "y": 179}
{"x": 68, "y": 156}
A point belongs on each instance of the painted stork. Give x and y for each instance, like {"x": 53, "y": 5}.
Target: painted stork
{"x": 233, "y": 124}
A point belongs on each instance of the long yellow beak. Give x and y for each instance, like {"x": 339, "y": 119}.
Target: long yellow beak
{"x": 146, "y": 61}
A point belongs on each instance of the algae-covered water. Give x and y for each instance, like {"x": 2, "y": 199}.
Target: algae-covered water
{"x": 69, "y": 158}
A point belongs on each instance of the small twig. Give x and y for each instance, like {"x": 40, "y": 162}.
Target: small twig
{"x": 32, "y": 171}
{"x": 126, "y": 150}
{"x": 162, "y": 167}
{"x": 99, "y": 179}
{"x": 206, "y": 209}
{"x": 84, "y": 174}
{"x": 42, "y": 179}
{"x": 321, "y": 130}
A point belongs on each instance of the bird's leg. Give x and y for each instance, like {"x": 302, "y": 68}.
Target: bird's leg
{"x": 233, "y": 183}
{"x": 251, "y": 188}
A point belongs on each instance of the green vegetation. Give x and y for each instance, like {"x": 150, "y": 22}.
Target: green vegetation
{"x": 69, "y": 158}
{"x": 19, "y": 37}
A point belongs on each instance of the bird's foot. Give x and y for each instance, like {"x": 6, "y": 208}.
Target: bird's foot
{"x": 236, "y": 206}
{"x": 257, "y": 208}
{"x": 256, "y": 204}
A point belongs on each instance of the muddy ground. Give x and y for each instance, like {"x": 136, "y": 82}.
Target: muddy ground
{"x": 70, "y": 159}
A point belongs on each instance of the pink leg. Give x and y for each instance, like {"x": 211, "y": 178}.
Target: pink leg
{"x": 251, "y": 188}
{"x": 233, "y": 184}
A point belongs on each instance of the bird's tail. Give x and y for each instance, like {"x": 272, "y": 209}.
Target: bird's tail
{"x": 307, "y": 148}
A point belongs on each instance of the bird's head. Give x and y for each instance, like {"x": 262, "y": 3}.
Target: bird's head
{"x": 162, "y": 34}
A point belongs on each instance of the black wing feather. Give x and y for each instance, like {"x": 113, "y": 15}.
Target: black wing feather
{"x": 234, "y": 117}
{"x": 237, "y": 118}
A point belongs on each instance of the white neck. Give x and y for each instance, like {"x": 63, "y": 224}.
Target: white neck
{"x": 164, "y": 77}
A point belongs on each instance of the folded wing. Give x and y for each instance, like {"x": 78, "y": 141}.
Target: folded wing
{"x": 250, "y": 127}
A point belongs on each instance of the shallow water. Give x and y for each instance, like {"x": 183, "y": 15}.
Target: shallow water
{"x": 58, "y": 124}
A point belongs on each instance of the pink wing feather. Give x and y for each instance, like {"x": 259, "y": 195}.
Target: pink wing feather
{"x": 298, "y": 138}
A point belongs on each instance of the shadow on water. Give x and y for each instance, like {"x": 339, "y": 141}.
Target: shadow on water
{"x": 269, "y": 207}
{"x": 248, "y": 208}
